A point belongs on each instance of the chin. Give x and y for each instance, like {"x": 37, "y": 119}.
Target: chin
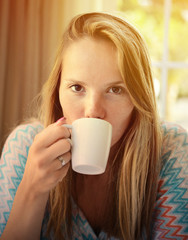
{"x": 114, "y": 142}
{"x": 117, "y": 142}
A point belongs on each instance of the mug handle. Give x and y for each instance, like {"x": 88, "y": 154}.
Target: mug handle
{"x": 67, "y": 126}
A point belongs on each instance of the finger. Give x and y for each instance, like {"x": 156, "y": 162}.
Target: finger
{"x": 59, "y": 148}
{"x": 50, "y": 135}
{"x": 56, "y": 176}
{"x": 61, "y": 161}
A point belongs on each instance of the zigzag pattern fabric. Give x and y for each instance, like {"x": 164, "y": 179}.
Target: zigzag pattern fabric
{"x": 171, "y": 211}
{"x": 12, "y": 165}
{"x": 170, "y": 220}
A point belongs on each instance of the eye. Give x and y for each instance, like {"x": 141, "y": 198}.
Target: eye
{"x": 77, "y": 88}
{"x": 116, "y": 90}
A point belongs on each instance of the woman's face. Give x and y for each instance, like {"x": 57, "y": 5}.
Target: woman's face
{"x": 91, "y": 85}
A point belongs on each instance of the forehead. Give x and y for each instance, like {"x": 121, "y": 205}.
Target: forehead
{"x": 90, "y": 58}
{"x": 89, "y": 49}
{"x": 87, "y": 43}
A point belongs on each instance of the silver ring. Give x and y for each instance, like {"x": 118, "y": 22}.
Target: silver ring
{"x": 61, "y": 159}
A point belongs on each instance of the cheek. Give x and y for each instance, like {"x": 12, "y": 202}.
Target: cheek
{"x": 71, "y": 110}
{"x": 117, "y": 133}
{"x": 65, "y": 105}
{"x": 120, "y": 125}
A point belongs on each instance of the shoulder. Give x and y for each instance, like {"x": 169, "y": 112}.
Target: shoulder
{"x": 25, "y": 132}
{"x": 172, "y": 128}
{"x": 174, "y": 153}
{"x": 171, "y": 203}
{"x": 175, "y": 143}
{"x": 20, "y": 139}
{"x": 28, "y": 130}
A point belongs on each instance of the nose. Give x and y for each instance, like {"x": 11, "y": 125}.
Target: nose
{"x": 95, "y": 106}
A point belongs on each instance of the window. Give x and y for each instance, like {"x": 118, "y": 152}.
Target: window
{"x": 164, "y": 25}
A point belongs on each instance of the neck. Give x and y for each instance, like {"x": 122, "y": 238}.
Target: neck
{"x": 83, "y": 183}
{"x": 96, "y": 195}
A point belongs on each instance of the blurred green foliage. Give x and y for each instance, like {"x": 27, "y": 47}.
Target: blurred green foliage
{"x": 148, "y": 17}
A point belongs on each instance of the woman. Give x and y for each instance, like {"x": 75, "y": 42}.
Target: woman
{"x": 102, "y": 71}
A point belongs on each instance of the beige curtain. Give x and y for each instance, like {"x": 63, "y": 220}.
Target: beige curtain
{"x": 29, "y": 34}
{"x": 30, "y": 31}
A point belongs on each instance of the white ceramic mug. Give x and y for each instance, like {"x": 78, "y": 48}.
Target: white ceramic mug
{"x": 91, "y": 141}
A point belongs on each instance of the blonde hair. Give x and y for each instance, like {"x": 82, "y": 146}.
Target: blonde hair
{"x": 140, "y": 149}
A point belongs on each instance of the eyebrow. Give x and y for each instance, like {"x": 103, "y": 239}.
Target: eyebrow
{"x": 71, "y": 80}
{"x": 116, "y": 82}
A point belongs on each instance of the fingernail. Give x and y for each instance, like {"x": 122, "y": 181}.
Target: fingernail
{"x": 61, "y": 119}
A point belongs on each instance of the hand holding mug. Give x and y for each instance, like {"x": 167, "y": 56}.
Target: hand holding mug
{"x": 43, "y": 167}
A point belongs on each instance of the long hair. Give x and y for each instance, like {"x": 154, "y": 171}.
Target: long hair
{"x": 140, "y": 149}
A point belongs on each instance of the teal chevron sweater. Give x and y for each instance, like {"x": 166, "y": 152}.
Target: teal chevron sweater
{"x": 170, "y": 217}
